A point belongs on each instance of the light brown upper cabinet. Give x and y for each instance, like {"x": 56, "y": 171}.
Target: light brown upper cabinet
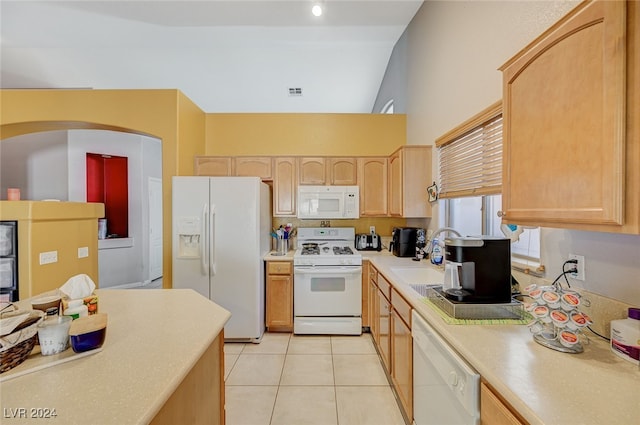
{"x": 327, "y": 171}
{"x": 259, "y": 166}
{"x": 213, "y": 166}
{"x": 372, "y": 172}
{"x": 284, "y": 186}
{"x": 571, "y": 114}
{"x": 312, "y": 170}
{"x": 409, "y": 177}
{"x": 342, "y": 171}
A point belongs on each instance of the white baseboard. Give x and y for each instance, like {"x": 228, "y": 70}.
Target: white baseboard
{"x": 129, "y": 285}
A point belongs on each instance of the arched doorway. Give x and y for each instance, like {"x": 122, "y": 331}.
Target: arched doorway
{"x": 51, "y": 164}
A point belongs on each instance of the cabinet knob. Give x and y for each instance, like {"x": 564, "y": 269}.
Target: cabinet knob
{"x": 501, "y": 214}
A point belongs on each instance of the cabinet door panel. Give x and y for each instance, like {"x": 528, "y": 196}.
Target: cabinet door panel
{"x": 395, "y": 185}
{"x": 384, "y": 331}
{"x": 564, "y": 122}
{"x": 493, "y": 411}
{"x": 312, "y": 171}
{"x": 365, "y": 293}
{"x": 402, "y": 362}
{"x": 343, "y": 171}
{"x": 213, "y": 166}
{"x": 279, "y": 295}
{"x": 373, "y": 186}
{"x": 254, "y": 166}
{"x": 284, "y": 187}
{"x": 374, "y": 311}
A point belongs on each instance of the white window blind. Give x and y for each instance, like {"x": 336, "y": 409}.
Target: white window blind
{"x": 470, "y": 156}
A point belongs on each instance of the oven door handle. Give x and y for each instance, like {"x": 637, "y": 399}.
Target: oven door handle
{"x": 328, "y": 270}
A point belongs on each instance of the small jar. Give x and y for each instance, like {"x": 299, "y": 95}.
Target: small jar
{"x": 568, "y": 338}
{"x": 542, "y": 313}
{"x": 625, "y": 336}
{"x": 569, "y": 301}
{"x": 536, "y": 294}
{"x": 576, "y": 321}
{"x": 559, "y": 318}
{"x": 551, "y": 298}
{"x": 53, "y": 334}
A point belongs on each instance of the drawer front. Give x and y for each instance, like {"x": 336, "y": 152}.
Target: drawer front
{"x": 385, "y": 286}
{"x": 279, "y": 267}
{"x": 373, "y": 274}
{"x": 401, "y": 307}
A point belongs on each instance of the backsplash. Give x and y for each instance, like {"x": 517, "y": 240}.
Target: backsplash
{"x": 602, "y": 310}
{"x": 383, "y": 225}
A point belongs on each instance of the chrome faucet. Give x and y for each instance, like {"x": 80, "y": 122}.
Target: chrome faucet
{"x": 429, "y": 246}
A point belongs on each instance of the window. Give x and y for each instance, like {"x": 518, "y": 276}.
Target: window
{"x": 470, "y": 167}
{"x": 387, "y": 108}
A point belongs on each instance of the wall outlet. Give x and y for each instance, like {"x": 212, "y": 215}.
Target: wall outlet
{"x": 83, "y": 252}
{"x": 48, "y": 257}
{"x": 579, "y": 273}
{"x": 372, "y": 229}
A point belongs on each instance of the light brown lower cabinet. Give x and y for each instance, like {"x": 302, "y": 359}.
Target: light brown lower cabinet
{"x": 390, "y": 323}
{"x": 493, "y": 411}
{"x": 374, "y": 305}
{"x": 365, "y": 293}
{"x": 279, "y": 296}
{"x": 199, "y": 398}
{"x": 384, "y": 321}
{"x": 402, "y": 352}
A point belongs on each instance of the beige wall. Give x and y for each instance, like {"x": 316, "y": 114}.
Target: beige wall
{"x": 454, "y": 51}
{"x": 185, "y": 131}
{"x": 53, "y": 226}
{"x": 166, "y": 114}
{"x": 304, "y": 134}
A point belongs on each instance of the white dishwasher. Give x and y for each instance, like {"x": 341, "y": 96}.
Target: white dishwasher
{"x": 446, "y": 390}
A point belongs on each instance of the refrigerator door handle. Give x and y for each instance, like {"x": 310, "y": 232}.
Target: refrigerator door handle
{"x": 203, "y": 250}
{"x": 212, "y": 242}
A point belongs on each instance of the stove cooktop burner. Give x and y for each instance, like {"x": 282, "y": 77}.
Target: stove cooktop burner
{"x": 311, "y": 251}
{"x": 325, "y": 250}
{"x": 342, "y": 250}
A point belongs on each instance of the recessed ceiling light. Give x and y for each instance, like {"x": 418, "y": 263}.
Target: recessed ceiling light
{"x": 316, "y": 10}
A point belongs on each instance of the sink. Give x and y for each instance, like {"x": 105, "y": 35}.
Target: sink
{"x": 419, "y": 275}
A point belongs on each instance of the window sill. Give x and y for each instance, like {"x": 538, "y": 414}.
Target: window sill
{"x": 115, "y": 243}
{"x": 532, "y": 268}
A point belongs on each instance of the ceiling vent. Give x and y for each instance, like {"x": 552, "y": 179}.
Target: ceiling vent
{"x": 295, "y": 91}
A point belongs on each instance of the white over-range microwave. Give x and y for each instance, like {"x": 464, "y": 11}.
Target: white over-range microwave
{"x": 327, "y": 202}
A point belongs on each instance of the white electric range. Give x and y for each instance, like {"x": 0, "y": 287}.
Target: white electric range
{"x": 327, "y": 282}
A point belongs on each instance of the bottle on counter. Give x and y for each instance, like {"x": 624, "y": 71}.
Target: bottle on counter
{"x": 625, "y": 336}
{"x": 436, "y": 252}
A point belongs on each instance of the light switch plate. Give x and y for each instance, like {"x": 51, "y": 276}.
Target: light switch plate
{"x": 48, "y": 257}
{"x": 83, "y": 252}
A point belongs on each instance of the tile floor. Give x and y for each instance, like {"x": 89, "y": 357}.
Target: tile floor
{"x": 308, "y": 380}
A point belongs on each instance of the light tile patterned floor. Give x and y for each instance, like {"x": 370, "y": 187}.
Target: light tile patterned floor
{"x": 308, "y": 380}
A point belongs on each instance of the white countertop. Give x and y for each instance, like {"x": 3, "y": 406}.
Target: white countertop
{"x": 545, "y": 386}
{"x": 270, "y": 256}
{"x": 154, "y": 338}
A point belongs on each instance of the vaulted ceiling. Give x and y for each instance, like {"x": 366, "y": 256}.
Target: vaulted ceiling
{"x": 226, "y": 56}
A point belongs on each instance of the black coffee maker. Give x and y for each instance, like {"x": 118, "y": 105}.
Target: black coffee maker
{"x": 478, "y": 269}
{"x": 403, "y": 241}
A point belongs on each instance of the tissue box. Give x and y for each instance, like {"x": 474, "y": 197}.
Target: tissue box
{"x": 91, "y": 302}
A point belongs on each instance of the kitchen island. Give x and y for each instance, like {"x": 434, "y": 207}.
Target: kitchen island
{"x": 541, "y": 385}
{"x": 162, "y": 363}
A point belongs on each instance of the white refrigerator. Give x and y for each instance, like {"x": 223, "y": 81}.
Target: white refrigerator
{"x": 221, "y": 231}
